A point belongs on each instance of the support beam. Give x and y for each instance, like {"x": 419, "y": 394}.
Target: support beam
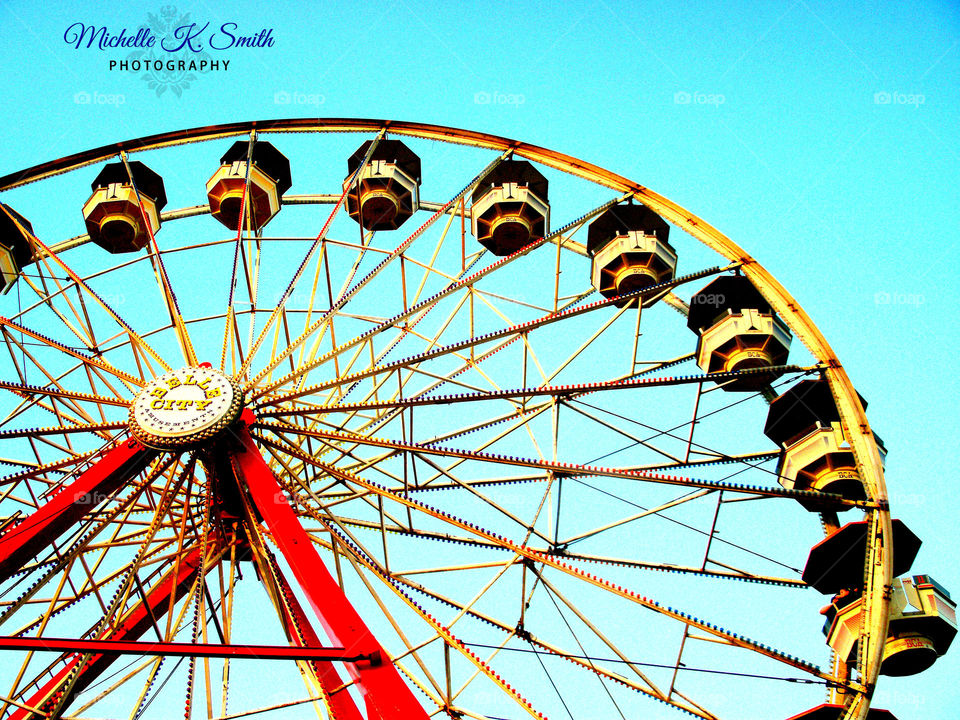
{"x": 70, "y": 504}
{"x": 131, "y": 626}
{"x": 385, "y": 693}
{"x": 179, "y": 649}
{"x": 295, "y": 619}
{"x": 322, "y": 676}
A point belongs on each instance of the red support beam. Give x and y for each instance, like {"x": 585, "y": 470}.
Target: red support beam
{"x": 341, "y": 703}
{"x": 386, "y": 695}
{"x": 179, "y": 649}
{"x": 130, "y": 627}
{"x": 70, "y": 504}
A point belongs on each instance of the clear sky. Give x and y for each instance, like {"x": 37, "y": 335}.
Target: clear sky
{"x": 822, "y": 137}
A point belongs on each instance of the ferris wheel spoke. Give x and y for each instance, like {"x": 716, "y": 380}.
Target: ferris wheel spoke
{"x": 63, "y": 287}
{"x": 98, "y": 428}
{"x": 432, "y": 481}
{"x": 509, "y": 332}
{"x": 110, "y": 344}
{"x": 163, "y": 279}
{"x": 560, "y": 467}
{"x": 432, "y": 342}
{"x": 59, "y": 603}
{"x": 308, "y": 458}
{"x": 558, "y": 391}
{"x": 565, "y": 555}
{"x": 741, "y": 575}
{"x": 251, "y": 256}
{"x": 410, "y": 311}
{"x": 554, "y": 549}
{"x": 712, "y": 456}
{"x": 397, "y": 252}
{"x": 592, "y": 665}
{"x": 342, "y": 452}
{"x": 96, "y": 365}
{"x": 531, "y": 411}
{"x": 400, "y": 336}
{"x": 712, "y": 633}
{"x": 717, "y": 633}
{"x": 373, "y": 392}
{"x": 64, "y": 406}
{"x": 27, "y": 391}
{"x": 439, "y": 629}
{"x": 135, "y": 338}
{"x": 734, "y": 573}
{"x": 711, "y": 537}
{"x": 317, "y": 242}
{"x": 753, "y": 460}
{"x": 528, "y": 526}
{"x": 278, "y": 451}
{"x": 646, "y": 442}
{"x": 322, "y": 263}
{"x": 346, "y": 522}
{"x": 646, "y": 688}
{"x": 86, "y": 667}
{"x": 414, "y": 369}
{"x": 67, "y": 426}
{"x": 243, "y": 217}
{"x": 428, "y": 268}
{"x": 47, "y": 299}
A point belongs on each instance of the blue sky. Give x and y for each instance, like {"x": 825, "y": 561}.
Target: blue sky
{"x": 822, "y": 137}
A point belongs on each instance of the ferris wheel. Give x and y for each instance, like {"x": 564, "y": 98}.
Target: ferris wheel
{"x": 389, "y": 420}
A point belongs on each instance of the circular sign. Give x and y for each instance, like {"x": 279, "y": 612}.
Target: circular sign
{"x": 184, "y": 407}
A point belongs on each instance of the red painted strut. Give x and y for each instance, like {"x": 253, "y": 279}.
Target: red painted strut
{"x": 178, "y": 649}
{"x": 341, "y": 703}
{"x": 130, "y": 627}
{"x": 386, "y": 695}
{"x": 70, "y": 504}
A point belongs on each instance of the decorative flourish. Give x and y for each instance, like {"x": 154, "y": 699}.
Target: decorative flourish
{"x": 161, "y": 74}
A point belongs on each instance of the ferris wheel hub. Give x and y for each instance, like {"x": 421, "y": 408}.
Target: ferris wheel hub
{"x": 184, "y": 407}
